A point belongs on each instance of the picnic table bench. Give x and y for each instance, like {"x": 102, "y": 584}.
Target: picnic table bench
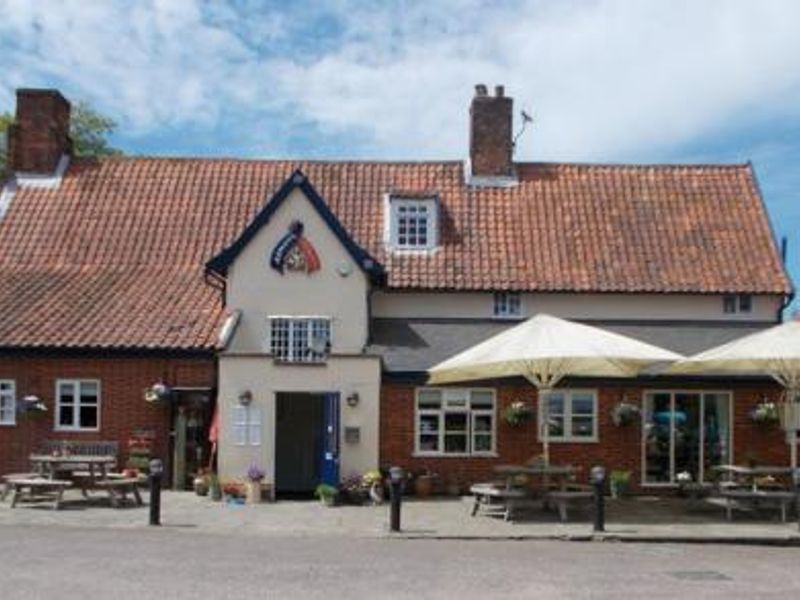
{"x": 118, "y": 489}
{"x": 35, "y": 487}
{"x": 563, "y": 498}
{"x": 496, "y": 499}
{"x": 748, "y": 499}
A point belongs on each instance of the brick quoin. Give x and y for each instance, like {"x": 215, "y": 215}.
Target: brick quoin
{"x": 122, "y": 405}
{"x": 618, "y": 448}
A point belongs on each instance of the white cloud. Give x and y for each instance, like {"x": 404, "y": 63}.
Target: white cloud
{"x": 606, "y": 79}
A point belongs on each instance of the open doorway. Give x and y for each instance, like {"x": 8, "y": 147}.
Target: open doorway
{"x": 306, "y": 442}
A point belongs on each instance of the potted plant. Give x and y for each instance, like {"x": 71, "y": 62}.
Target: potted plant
{"x": 619, "y": 481}
{"x": 201, "y": 483}
{"x": 327, "y": 494}
{"x": 255, "y": 475}
{"x": 423, "y": 484}
{"x": 233, "y": 492}
{"x": 214, "y": 487}
{"x": 517, "y": 414}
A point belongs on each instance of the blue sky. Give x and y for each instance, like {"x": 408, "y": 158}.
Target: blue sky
{"x": 606, "y": 80}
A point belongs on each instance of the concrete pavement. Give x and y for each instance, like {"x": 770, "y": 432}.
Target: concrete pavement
{"x": 659, "y": 519}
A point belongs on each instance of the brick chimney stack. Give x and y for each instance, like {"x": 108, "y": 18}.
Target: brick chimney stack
{"x": 490, "y": 135}
{"x": 40, "y": 133}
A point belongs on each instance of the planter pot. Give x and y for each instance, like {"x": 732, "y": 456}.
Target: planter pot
{"x": 423, "y": 486}
{"x": 618, "y": 490}
{"x": 201, "y": 486}
{"x": 254, "y": 492}
{"x": 328, "y": 500}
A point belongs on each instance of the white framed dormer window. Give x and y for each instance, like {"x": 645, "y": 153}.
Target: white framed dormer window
{"x": 412, "y": 223}
{"x": 300, "y": 339}
{"x": 737, "y": 304}
{"x": 507, "y": 305}
{"x": 571, "y": 415}
{"x": 455, "y": 422}
{"x": 77, "y": 405}
{"x": 246, "y": 425}
{"x": 8, "y": 402}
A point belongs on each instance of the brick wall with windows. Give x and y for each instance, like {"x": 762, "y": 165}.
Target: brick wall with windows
{"x": 122, "y": 407}
{"x": 618, "y": 447}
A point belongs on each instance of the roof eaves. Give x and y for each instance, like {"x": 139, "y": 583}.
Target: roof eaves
{"x": 222, "y": 261}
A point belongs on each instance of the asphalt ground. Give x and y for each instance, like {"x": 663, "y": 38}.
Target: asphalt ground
{"x": 173, "y": 562}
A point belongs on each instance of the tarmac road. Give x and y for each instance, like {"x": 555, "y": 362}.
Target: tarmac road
{"x": 165, "y": 563}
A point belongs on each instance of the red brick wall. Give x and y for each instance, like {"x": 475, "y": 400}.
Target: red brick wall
{"x": 122, "y": 407}
{"x": 618, "y": 448}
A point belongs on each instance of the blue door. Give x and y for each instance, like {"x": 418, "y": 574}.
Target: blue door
{"x": 330, "y": 440}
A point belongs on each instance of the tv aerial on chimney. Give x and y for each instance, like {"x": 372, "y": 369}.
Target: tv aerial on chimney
{"x": 526, "y": 118}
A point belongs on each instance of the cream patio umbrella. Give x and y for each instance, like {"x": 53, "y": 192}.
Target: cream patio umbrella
{"x": 774, "y": 352}
{"x": 544, "y": 350}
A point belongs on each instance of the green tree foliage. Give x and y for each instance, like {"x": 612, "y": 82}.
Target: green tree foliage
{"x": 89, "y": 130}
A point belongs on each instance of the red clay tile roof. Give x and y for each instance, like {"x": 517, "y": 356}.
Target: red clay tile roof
{"x": 114, "y": 257}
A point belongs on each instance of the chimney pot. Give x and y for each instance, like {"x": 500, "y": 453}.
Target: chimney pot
{"x": 480, "y": 90}
{"x": 39, "y": 135}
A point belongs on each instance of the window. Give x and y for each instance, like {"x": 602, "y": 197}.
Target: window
{"x": 300, "y": 339}
{"x": 507, "y": 305}
{"x": 413, "y": 223}
{"x": 571, "y": 415}
{"x": 77, "y": 404}
{"x": 455, "y": 421}
{"x": 741, "y": 303}
{"x": 8, "y": 402}
{"x": 247, "y": 425}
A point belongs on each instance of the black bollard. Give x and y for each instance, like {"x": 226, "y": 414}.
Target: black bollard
{"x": 598, "y": 478}
{"x": 396, "y": 476}
{"x": 156, "y": 472}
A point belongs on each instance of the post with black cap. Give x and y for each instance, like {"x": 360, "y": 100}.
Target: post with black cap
{"x": 796, "y": 481}
{"x": 396, "y": 477}
{"x": 156, "y": 472}
{"x": 598, "y": 479}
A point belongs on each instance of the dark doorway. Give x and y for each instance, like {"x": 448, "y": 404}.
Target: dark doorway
{"x": 190, "y": 448}
{"x": 298, "y": 443}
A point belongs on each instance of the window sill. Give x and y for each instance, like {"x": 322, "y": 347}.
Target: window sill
{"x": 572, "y": 440}
{"x": 8, "y": 424}
{"x": 77, "y": 429}
{"x": 453, "y": 455}
{"x": 508, "y": 317}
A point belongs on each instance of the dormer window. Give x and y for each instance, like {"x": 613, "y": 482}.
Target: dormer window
{"x": 413, "y": 223}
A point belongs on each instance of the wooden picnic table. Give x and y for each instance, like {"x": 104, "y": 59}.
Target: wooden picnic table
{"x": 50, "y": 465}
{"x": 561, "y": 473}
{"x": 750, "y": 475}
{"x": 745, "y": 491}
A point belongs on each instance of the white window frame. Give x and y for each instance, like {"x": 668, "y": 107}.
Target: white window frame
{"x": 737, "y": 301}
{"x": 247, "y": 425}
{"x": 451, "y": 394}
{"x": 502, "y": 305}
{"x": 568, "y": 437}
{"x": 76, "y": 383}
{"x": 8, "y": 401}
{"x": 393, "y": 206}
{"x": 702, "y": 393}
{"x": 294, "y": 355}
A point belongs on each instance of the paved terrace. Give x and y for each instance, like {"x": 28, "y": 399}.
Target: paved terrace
{"x": 635, "y": 519}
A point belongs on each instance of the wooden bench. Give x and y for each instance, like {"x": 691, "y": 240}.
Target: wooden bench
{"x": 491, "y": 498}
{"x": 30, "y": 488}
{"x": 118, "y": 489}
{"x": 7, "y": 480}
{"x": 749, "y": 500}
{"x": 563, "y": 498}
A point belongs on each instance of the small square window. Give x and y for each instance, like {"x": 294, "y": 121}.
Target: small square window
{"x": 745, "y": 303}
{"x": 507, "y": 305}
{"x": 729, "y": 304}
{"x": 735, "y": 304}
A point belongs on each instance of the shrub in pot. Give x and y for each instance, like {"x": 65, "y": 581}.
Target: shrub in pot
{"x": 327, "y": 494}
{"x": 620, "y": 483}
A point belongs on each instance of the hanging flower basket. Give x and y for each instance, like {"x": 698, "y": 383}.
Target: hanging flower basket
{"x": 158, "y": 393}
{"x": 518, "y": 413}
{"x": 32, "y": 407}
{"x": 625, "y": 413}
{"x": 765, "y": 413}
